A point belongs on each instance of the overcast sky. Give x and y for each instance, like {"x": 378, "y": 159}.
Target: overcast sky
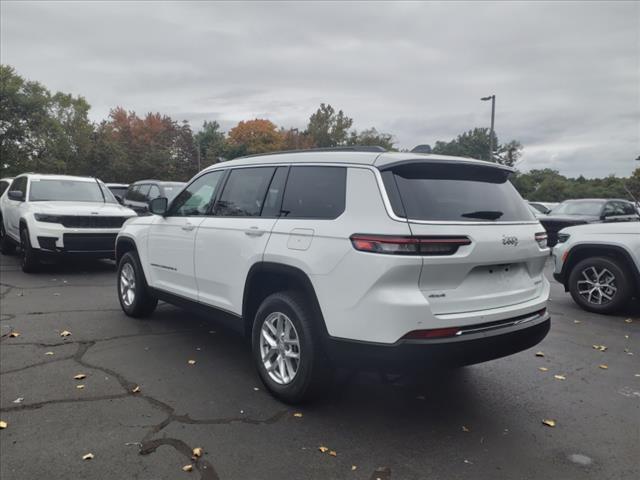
{"x": 566, "y": 75}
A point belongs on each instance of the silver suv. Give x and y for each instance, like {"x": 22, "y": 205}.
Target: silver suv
{"x": 322, "y": 257}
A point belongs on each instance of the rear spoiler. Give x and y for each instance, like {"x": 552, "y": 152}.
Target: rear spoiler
{"x": 443, "y": 162}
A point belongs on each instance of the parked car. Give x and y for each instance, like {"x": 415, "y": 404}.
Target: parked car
{"x": 4, "y": 184}
{"x": 142, "y": 192}
{"x": 118, "y": 190}
{"x": 579, "y": 212}
{"x": 544, "y": 207}
{"x": 599, "y": 264}
{"x": 323, "y": 257}
{"x": 51, "y": 215}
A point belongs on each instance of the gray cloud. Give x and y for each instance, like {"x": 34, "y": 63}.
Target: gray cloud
{"x": 566, "y": 75}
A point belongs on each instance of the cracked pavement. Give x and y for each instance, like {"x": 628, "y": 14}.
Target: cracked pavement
{"x": 387, "y": 426}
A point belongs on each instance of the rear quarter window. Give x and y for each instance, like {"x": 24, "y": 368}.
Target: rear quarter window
{"x": 456, "y": 192}
{"x": 315, "y": 192}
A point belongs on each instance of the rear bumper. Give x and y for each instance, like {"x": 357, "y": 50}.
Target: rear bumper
{"x": 474, "y": 347}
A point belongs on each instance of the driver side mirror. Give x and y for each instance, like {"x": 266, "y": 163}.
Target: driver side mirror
{"x": 158, "y": 206}
{"x": 16, "y": 195}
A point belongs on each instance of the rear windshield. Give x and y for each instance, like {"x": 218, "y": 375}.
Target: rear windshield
{"x": 579, "y": 208}
{"x": 68, "y": 191}
{"x": 469, "y": 193}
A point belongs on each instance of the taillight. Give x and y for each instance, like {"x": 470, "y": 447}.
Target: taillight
{"x": 541, "y": 239}
{"x": 400, "y": 245}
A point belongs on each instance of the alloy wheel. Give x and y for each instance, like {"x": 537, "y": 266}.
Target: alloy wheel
{"x": 280, "y": 348}
{"x": 597, "y": 285}
{"x": 127, "y": 284}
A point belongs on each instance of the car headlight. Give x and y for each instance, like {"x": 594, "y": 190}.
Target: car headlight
{"x": 563, "y": 237}
{"x": 44, "y": 217}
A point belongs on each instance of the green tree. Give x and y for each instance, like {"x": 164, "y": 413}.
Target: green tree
{"x": 211, "y": 142}
{"x": 371, "y": 137}
{"x": 328, "y": 128}
{"x": 475, "y": 144}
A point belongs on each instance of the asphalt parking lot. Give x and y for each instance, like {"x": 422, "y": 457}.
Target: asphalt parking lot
{"x": 479, "y": 422}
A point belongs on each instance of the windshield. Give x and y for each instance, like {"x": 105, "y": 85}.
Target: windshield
{"x": 578, "y": 208}
{"x": 458, "y": 192}
{"x": 63, "y": 190}
{"x": 171, "y": 190}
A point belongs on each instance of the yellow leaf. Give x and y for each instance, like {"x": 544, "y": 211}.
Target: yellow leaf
{"x": 600, "y": 348}
{"x": 14, "y": 334}
{"x": 539, "y": 354}
{"x": 559, "y": 377}
{"x": 136, "y": 389}
{"x": 549, "y": 422}
{"x": 191, "y": 362}
{"x": 297, "y": 414}
{"x": 333, "y": 453}
{"x": 80, "y": 376}
{"x": 323, "y": 449}
{"x": 628, "y": 320}
{"x": 187, "y": 468}
{"x": 65, "y": 333}
{"x": 48, "y": 353}
{"x": 543, "y": 369}
{"x": 197, "y": 452}
{"x": 87, "y": 456}
{"x": 603, "y": 366}
{"x": 3, "y": 424}
{"x": 576, "y": 321}
{"x": 79, "y": 387}
{"x": 354, "y": 467}
{"x": 465, "y": 429}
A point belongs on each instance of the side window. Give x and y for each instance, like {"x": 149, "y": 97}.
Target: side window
{"x": 3, "y": 187}
{"x": 196, "y": 198}
{"x": 131, "y": 193}
{"x": 613, "y": 208}
{"x": 154, "y": 192}
{"x": 141, "y": 195}
{"x": 315, "y": 192}
{"x": 628, "y": 209}
{"x": 273, "y": 200}
{"x": 20, "y": 184}
{"x": 244, "y": 193}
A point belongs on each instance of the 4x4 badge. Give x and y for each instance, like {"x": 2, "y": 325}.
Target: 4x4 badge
{"x": 512, "y": 241}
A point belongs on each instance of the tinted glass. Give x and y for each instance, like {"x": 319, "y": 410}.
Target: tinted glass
{"x": 65, "y": 191}
{"x": 131, "y": 193}
{"x": 19, "y": 184}
{"x": 315, "y": 192}
{"x": 3, "y": 186}
{"x": 154, "y": 192}
{"x": 197, "y": 197}
{"x": 273, "y": 200}
{"x": 468, "y": 193}
{"x": 579, "y": 208}
{"x": 120, "y": 191}
{"x": 143, "y": 193}
{"x": 244, "y": 193}
{"x": 171, "y": 190}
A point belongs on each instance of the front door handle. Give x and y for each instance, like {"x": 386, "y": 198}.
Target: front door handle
{"x": 254, "y": 232}
{"x": 188, "y": 227}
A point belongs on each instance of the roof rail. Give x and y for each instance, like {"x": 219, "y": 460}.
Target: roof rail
{"x": 353, "y": 148}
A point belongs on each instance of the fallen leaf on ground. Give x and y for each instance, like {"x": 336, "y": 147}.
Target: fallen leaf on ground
{"x": 3, "y": 424}
{"x": 88, "y": 456}
{"x": 19, "y": 400}
{"x": 14, "y": 334}
{"x": 627, "y": 337}
{"x": 603, "y": 366}
{"x": 80, "y": 376}
{"x": 48, "y": 353}
{"x": 297, "y": 414}
{"x": 468, "y": 461}
{"x": 255, "y": 389}
{"x": 636, "y": 374}
{"x": 600, "y": 348}
{"x": 465, "y": 429}
{"x": 576, "y": 321}
{"x": 56, "y": 294}
{"x": 333, "y": 453}
{"x": 323, "y": 449}
{"x": 559, "y": 377}
{"x": 539, "y": 354}
{"x": 543, "y": 369}
{"x": 628, "y": 320}
{"x": 354, "y": 467}
{"x": 197, "y": 452}
{"x": 187, "y": 468}
{"x": 212, "y": 331}
{"x": 79, "y": 387}
{"x": 191, "y": 362}
{"x": 549, "y": 423}
{"x": 65, "y": 333}
{"x": 136, "y": 389}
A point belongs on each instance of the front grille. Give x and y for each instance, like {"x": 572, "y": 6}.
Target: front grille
{"x": 74, "y": 221}
{"x": 89, "y": 242}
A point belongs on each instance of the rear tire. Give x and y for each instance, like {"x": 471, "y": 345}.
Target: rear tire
{"x": 133, "y": 291}
{"x": 596, "y": 279}
{"x": 7, "y": 246}
{"x": 305, "y": 376}
{"x": 29, "y": 261}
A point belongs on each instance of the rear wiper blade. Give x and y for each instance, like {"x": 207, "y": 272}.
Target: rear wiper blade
{"x": 484, "y": 215}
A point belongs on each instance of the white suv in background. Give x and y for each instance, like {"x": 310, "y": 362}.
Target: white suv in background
{"x": 599, "y": 264}
{"x": 50, "y": 215}
{"x": 321, "y": 257}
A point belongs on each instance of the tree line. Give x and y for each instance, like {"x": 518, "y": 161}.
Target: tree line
{"x": 51, "y": 133}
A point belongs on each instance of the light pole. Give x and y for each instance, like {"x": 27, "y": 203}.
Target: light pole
{"x": 493, "y": 116}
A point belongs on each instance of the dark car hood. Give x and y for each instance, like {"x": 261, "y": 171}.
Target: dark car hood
{"x": 577, "y": 219}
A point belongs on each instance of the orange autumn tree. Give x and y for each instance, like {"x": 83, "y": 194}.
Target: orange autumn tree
{"x": 256, "y": 136}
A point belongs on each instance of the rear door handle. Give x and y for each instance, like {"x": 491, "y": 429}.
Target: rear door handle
{"x": 188, "y": 227}
{"x": 254, "y": 232}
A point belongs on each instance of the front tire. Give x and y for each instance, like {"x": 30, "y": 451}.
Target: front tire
{"x": 600, "y": 284}
{"x": 29, "y": 259}
{"x": 133, "y": 291}
{"x": 7, "y": 246}
{"x": 287, "y": 348}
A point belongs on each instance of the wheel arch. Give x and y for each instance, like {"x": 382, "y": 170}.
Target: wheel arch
{"x": 265, "y": 278}
{"x": 587, "y": 250}
{"x": 124, "y": 245}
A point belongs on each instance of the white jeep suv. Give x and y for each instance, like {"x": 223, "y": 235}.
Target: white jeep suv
{"x": 320, "y": 257}
{"x": 599, "y": 264}
{"x": 53, "y": 215}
